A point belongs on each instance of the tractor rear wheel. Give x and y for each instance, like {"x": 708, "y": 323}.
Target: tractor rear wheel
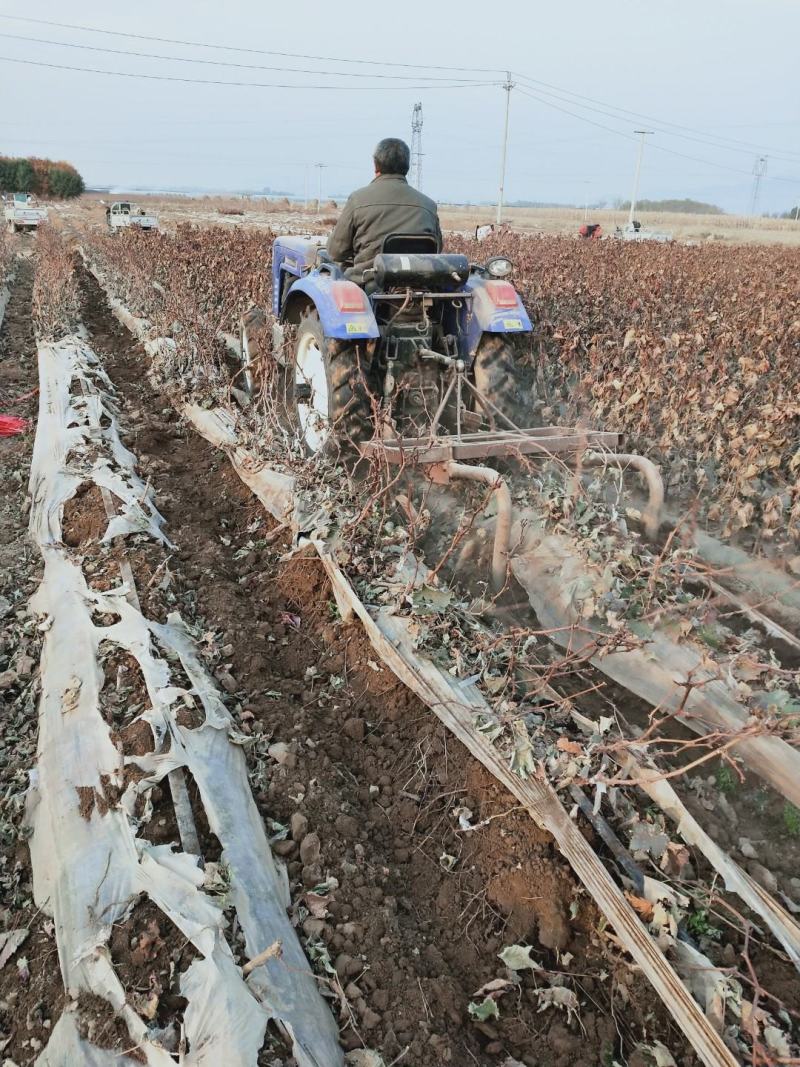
{"x": 333, "y": 389}
{"x": 496, "y": 376}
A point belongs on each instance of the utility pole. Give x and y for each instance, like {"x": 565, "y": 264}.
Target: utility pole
{"x": 416, "y": 144}
{"x": 759, "y": 170}
{"x": 508, "y": 85}
{"x": 586, "y": 189}
{"x": 642, "y": 135}
{"x": 305, "y": 189}
{"x": 320, "y": 167}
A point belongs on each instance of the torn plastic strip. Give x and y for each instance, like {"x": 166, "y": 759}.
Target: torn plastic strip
{"x": 550, "y": 568}
{"x": 5, "y": 295}
{"x": 90, "y": 871}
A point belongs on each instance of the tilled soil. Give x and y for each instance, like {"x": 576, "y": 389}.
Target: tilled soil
{"x": 368, "y": 788}
{"x": 31, "y": 994}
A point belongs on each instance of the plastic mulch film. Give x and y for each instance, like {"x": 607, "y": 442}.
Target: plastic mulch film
{"x": 91, "y": 863}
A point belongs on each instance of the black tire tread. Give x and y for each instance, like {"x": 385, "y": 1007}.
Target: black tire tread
{"x": 497, "y": 375}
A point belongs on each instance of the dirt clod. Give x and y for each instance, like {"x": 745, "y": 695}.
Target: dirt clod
{"x": 310, "y": 848}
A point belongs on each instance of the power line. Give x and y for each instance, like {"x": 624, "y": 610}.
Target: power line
{"x": 538, "y": 83}
{"x": 225, "y": 63}
{"x": 656, "y": 147}
{"x": 251, "y": 51}
{"x": 706, "y": 138}
{"x": 566, "y": 111}
{"x": 246, "y": 85}
{"x": 440, "y": 83}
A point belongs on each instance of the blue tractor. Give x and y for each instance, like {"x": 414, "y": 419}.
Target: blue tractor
{"x": 425, "y": 346}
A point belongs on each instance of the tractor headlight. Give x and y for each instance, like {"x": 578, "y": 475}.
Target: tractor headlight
{"x": 499, "y": 267}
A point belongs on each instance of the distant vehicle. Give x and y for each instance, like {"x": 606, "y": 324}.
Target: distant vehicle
{"x": 633, "y": 232}
{"x": 591, "y": 231}
{"x": 122, "y": 213}
{"x": 21, "y": 213}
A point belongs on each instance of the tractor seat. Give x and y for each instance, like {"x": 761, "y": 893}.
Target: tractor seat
{"x": 419, "y": 244}
{"x": 435, "y": 271}
{"x": 414, "y": 260}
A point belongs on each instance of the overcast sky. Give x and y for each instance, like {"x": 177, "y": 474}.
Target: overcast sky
{"x": 717, "y": 81}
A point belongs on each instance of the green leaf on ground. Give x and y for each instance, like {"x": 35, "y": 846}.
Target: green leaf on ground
{"x": 429, "y": 600}
{"x": 518, "y": 958}
{"x": 486, "y": 1009}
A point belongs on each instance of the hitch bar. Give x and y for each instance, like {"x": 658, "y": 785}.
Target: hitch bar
{"x": 585, "y": 448}
{"x": 544, "y": 441}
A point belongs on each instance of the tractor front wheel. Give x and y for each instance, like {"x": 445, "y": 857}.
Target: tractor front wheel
{"x": 497, "y": 377}
{"x": 262, "y": 373}
{"x": 252, "y": 349}
{"x": 333, "y": 389}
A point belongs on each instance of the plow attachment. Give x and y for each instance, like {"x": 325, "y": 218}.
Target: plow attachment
{"x": 443, "y": 456}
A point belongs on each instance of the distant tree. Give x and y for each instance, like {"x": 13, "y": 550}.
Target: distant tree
{"x": 541, "y": 204}
{"x": 45, "y": 177}
{"x": 690, "y": 207}
{"x": 64, "y": 181}
{"x": 792, "y": 213}
{"x": 7, "y": 172}
{"x": 41, "y": 168}
{"x": 24, "y": 176}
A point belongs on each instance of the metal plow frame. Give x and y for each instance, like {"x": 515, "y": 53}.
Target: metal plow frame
{"x": 544, "y": 442}
{"x": 443, "y": 456}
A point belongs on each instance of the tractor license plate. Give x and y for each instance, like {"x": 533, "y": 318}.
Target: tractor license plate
{"x": 357, "y": 327}
{"x": 512, "y": 324}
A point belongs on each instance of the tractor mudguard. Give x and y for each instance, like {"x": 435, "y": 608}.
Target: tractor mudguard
{"x": 343, "y": 308}
{"x": 496, "y": 308}
{"x": 292, "y": 257}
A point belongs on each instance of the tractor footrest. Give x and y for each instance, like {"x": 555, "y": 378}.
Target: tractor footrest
{"x": 543, "y": 441}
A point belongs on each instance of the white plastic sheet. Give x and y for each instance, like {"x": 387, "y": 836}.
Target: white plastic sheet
{"x": 4, "y": 297}
{"x": 557, "y": 577}
{"x": 90, "y": 869}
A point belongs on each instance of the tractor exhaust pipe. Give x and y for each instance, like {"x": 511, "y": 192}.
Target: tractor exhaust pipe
{"x": 502, "y": 531}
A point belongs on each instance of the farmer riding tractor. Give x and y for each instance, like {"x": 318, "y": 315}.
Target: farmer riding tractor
{"x": 425, "y": 347}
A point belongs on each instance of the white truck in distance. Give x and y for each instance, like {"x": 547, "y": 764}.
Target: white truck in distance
{"x": 22, "y": 213}
{"x": 123, "y": 213}
{"x": 633, "y": 231}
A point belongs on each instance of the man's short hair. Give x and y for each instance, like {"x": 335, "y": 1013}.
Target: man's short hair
{"x": 392, "y": 156}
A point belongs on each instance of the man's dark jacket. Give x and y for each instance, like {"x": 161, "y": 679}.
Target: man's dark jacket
{"x": 387, "y": 205}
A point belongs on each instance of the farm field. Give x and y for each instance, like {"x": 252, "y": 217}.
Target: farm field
{"x": 285, "y": 782}
{"x": 279, "y": 213}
